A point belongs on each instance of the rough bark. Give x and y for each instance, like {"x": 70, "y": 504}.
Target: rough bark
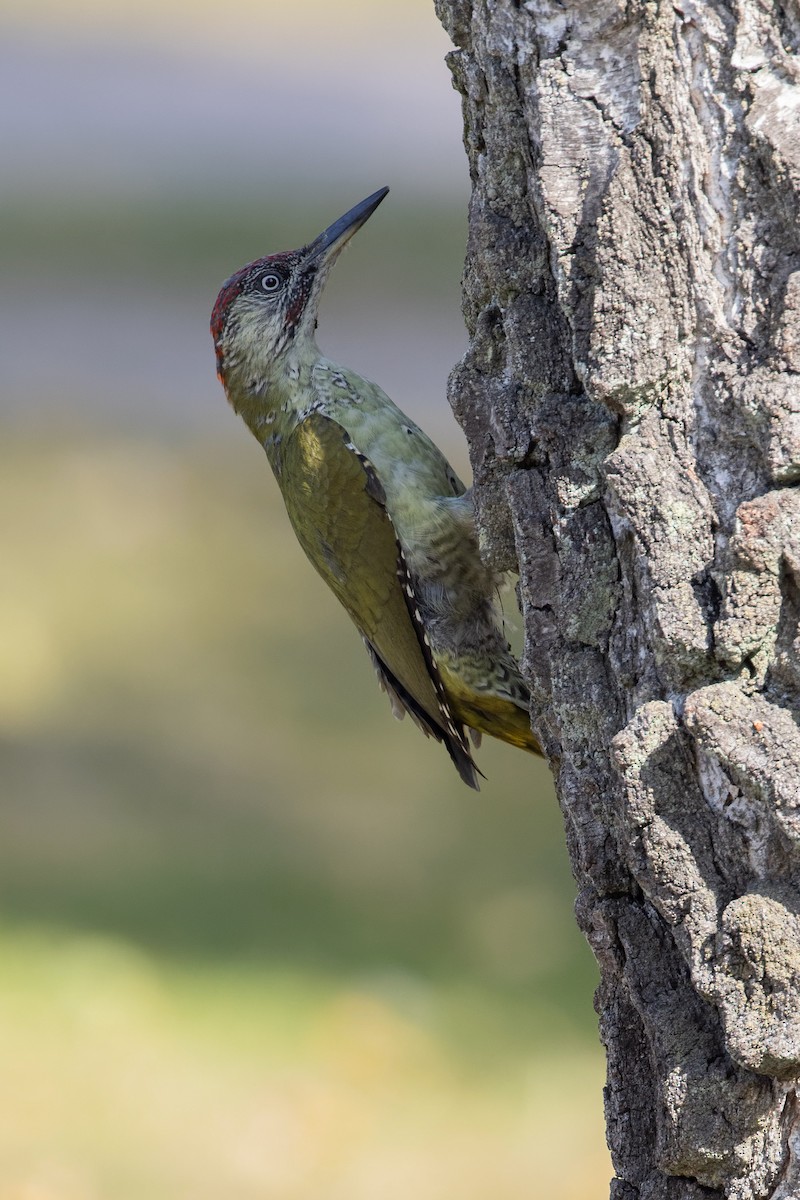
{"x": 631, "y": 401}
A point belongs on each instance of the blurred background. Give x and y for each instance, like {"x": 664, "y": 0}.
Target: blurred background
{"x": 256, "y": 938}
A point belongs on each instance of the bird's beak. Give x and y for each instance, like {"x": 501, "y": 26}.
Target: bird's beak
{"x": 324, "y": 249}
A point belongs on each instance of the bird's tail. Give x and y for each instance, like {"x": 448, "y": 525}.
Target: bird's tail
{"x": 454, "y": 738}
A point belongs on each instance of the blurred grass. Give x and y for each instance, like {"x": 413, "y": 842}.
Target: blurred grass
{"x": 258, "y": 939}
{"x": 133, "y": 1078}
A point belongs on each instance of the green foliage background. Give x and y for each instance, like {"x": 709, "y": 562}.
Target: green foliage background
{"x": 256, "y": 938}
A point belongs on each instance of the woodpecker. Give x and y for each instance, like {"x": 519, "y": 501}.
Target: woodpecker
{"x": 377, "y": 508}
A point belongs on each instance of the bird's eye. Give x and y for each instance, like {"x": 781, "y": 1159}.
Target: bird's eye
{"x": 271, "y": 282}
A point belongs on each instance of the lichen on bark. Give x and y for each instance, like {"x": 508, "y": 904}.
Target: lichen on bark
{"x": 631, "y": 398}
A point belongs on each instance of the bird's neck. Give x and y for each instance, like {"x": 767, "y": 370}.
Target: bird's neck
{"x": 270, "y": 395}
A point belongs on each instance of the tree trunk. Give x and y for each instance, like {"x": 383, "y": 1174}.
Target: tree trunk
{"x": 631, "y": 401}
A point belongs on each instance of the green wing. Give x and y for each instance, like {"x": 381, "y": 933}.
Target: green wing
{"x": 337, "y": 507}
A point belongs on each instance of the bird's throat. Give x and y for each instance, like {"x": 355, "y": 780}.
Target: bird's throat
{"x": 270, "y": 406}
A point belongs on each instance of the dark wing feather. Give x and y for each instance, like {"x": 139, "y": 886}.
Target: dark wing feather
{"x": 337, "y": 507}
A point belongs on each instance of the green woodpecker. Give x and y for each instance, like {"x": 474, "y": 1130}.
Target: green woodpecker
{"x": 377, "y": 508}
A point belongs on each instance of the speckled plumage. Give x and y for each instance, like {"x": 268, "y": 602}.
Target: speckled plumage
{"x": 375, "y": 505}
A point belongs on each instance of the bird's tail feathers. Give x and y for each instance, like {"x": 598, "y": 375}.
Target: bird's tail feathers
{"x": 403, "y": 702}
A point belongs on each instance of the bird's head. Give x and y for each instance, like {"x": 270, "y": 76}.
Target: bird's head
{"x": 270, "y": 306}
